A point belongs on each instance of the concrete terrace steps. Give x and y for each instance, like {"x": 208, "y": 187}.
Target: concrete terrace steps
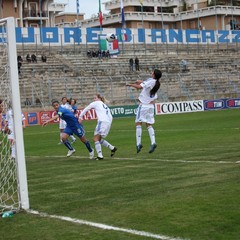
{"x": 73, "y": 74}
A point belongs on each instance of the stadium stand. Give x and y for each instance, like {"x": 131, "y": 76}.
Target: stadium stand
{"x": 212, "y": 72}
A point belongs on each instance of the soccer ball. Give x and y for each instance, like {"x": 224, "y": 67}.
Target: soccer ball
{"x": 110, "y": 37}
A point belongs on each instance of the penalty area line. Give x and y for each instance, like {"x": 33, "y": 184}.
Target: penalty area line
{"x": 104, "y": 226}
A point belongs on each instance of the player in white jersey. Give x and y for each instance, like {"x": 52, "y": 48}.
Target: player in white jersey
{"x": 9, "y": 129}
{"x": 145, "y": 111}
{"x": 73, "y": 103}
{"x": 104, "y": 122}
{"x": 62, "y": 124}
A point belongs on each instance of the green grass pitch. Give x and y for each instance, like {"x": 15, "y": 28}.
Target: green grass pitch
{"x": 189, "y": 188}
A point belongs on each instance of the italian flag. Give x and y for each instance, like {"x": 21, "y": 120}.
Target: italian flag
{"x": 112, "y": 47}
{"x": 123, "y": 37}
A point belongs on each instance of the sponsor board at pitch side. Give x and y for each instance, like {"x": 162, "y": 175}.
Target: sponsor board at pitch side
{"x": 221, "y": 104}
{"x": 179, "y": 107}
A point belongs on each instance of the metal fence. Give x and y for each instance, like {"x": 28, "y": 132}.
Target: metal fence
{"x": 174, "y": 87}
{"x": 136, "y": 49}
{"x": 208, "y": 73}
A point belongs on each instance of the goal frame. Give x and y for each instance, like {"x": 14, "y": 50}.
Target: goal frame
{"x": 16, "y": 106}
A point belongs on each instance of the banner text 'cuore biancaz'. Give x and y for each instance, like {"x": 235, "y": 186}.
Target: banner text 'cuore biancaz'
{"x": 70, "y": 35}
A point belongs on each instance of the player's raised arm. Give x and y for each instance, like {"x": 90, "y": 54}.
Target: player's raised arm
{"x": 139, "y": 81}
{"x": 136, "y": 85}
{"x": 50, "y": 120}
{"x": 84, "y": 111}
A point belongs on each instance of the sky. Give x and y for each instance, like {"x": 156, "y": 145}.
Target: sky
{"x": 89, "y": 7}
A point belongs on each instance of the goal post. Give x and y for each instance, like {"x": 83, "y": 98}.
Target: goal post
{"x": 13, "y": 192}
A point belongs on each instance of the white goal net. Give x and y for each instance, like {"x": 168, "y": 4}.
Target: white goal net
{"x": 13, "y": 180}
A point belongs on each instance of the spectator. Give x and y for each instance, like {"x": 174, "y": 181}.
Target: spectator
{"x": 131, "y": 64}
{"x": 183, "y": 65}
{"x": 27, "y": 102}
{"x": 94, "y": 53}
{"x": 19, "y": 67}
{"x": 19, "y": 58}
{"x": 44, "y": 58}
{"x": 19, "y": 62}
{"x": 38, "y": 101}
{"x": 232, "y": 24}
{"x": 137, "y": 64}
{"x": 28, "y": 58}
{"x": 89, "y": 53}
{"x": 103, "y": 53}
{"x": 34, "y": 58}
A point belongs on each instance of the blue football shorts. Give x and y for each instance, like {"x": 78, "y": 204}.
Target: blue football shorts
{"x": 76, "y": 129}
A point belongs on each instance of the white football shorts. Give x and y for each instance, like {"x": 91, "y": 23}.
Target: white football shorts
{"x": 11, "y": 136}
{"x": 145, "y": 113}
{"x": 62, "y": 124}
{"x": 102, "y": 129}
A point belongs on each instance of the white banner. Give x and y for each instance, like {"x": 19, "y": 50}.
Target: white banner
{"x": 179, "y": 107}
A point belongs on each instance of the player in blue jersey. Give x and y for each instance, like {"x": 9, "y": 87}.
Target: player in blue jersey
{"x": 73, "y": 127}
{"x": 62, "y": 123}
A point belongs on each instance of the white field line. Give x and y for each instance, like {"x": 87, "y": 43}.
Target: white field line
{"x": 104, "y": 226}
{"x": 133, "y": 130}
{"x": 138, "y": 159}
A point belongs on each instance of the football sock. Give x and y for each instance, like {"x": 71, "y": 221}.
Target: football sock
{"x": 61, "y": 137}
{"x": 88, "y": 146}
{"x": 98, "y": 148}
{"x": 151, "y": 134}
{"x": 13, "y": 151}
{"x": 106, "y": 144}
{"x": 72, "y": 137}
{"x": 68, "y": 145}
{"x": 138, "y": 134}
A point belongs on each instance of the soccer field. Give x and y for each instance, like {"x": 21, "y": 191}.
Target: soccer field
{"x": 187, "y": 189}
